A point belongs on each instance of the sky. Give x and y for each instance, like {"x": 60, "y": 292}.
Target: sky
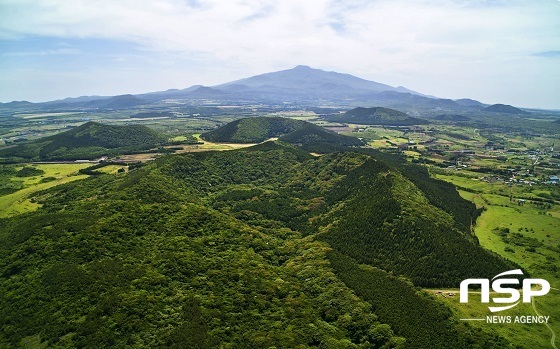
{"x": 501, "y": 51}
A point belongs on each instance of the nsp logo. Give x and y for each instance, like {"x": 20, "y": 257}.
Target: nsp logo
{"x": 498, "y": 285}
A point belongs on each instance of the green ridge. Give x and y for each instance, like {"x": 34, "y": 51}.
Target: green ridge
{"x": 231, "y": 249}
{"x": 376, "y": 116}
{"x": 87, "y": 141}
{"x": 259, "y": 129}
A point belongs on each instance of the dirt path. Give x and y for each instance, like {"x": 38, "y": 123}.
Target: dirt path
{"x": 553, "y": 338}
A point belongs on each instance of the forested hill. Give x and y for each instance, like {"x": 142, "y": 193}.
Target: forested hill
{"x": 116, "y": 102}
{"x": 259, "y": 129}
{"x": 376, "y": 116}
{"x": 257, "y": 248}
{"x": 314, "y": 134}
{"x": 505, "y": 108}
{"x": 253, "y": 130}
{"x": 87, "y": 141}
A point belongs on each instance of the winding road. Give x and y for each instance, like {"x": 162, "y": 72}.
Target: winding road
{"x": 553, "y": 338}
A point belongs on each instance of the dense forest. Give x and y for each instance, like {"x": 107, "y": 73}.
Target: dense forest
{"x": 266, "y": 246}
{"x": 253, "y": 130}
{"x": 313, "y": 134}
{"x": 259, "y": 129}
{"x": 87, "y": 141}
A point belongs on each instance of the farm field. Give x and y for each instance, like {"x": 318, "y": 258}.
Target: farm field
{"x": 111, "y": 169}
{"x": 54, "y": 174}
{"x": 206, "y": 145}
{"x": 526, "y": 233}
{"x": 522, "y": 335}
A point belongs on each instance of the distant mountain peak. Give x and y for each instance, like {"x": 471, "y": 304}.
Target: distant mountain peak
{"x": 301, "y": 85}
{"x": 116, "y": 102}
{"x": 467, "y": 102}
{"x": 309, "y": 82}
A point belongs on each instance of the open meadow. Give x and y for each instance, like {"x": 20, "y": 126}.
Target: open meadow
{"x": 18, "y": 202}
{"x": 526, "y": 232}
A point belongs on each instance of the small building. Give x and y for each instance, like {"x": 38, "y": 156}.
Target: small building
{"x": 402, "y": 146}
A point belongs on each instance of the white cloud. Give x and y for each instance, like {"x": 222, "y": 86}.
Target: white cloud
{"x": 424, "y": 45}
{"x": 60, "y": 51}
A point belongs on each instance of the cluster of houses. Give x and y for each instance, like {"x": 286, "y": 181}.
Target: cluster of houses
{"x": 551, "y": 180}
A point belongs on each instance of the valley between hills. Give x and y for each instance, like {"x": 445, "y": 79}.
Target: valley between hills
{"x": 207, "y": 219}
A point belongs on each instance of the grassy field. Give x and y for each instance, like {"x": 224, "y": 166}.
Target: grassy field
{"x": 385, "y": 138}
{"x": 526, "y": 335}
{"x": 472, "y": 181}
{"x": 44, "y": 115}
{"x": 533, "y": 242}
{"x": 111, "y": 169}
{"x": 212, "y": 146}
{"x": 18, "y": 202}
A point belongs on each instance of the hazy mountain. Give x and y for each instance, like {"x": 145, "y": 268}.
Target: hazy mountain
{"x": 301, "y": 85}
{"x": 505, "y": 108}
{"x": 101, "y": 102}
{"x": 168, "y": 94}
{"x": 16, "y": 104}
{"x": 204, "y": 92}
{"x": 409, "y": 101}
{"x": 308, "y": 81}
{"x": 306, "y": 85}
{"x": 467, "y": 102}
{"x": 117, "y": 102}
{"x": 81, "y": 99}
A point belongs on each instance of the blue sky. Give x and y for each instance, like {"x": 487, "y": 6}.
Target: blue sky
{"x": 493, "y": 51}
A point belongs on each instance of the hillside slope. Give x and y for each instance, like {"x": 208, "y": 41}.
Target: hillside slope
{"x": 87, "y": 141}
{"x": 251, "y": 248}
{"x": 314, "y": 134}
